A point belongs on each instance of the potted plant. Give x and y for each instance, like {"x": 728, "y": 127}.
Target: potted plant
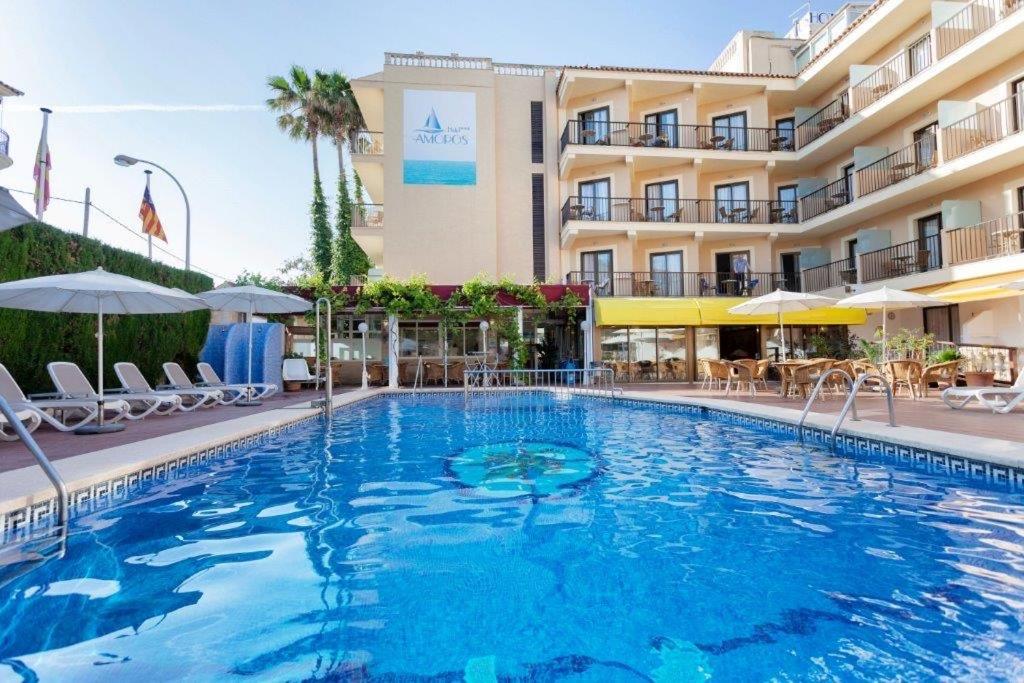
{"x": 979, "y": 369}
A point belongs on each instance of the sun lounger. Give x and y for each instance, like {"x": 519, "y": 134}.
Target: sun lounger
{"x": 179, "y": 379}
{"x": 297, "y": 370}
{"x": 997, "y": 399}
{"x": 73, "y": 413}
{"x": 71, "y": 382}
{"x": 210, "y": 379}
{"x": 134, "y": 383}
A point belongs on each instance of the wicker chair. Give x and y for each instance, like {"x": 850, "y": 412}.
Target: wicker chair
{"x": 836, "y": 382}
{"x": 940, "y": 373}
{"x": 716, "y": 372}
{"x": 740, "y": 374}
{"x": 904, "y": 373}
{"x": 806, "y": 376}
{"x": 456, "y": 372}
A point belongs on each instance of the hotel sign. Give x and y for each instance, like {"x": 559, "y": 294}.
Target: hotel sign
{"x": 439, "y": 137}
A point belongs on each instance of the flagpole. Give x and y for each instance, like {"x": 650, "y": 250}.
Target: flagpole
{"x": 149, "y": 235}
{"x": 43, "y": 153}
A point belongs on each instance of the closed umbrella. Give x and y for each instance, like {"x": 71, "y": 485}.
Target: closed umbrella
{"x": 251, "y": 299}
{"x": 886, "y": 299}
{"x": 99, "y": 292}
{"x": 779, "y": 302}
{"x": 11, "y": 212}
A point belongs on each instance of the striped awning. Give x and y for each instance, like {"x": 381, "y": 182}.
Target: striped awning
{"x": 975, "y": 288}
{"x": 714, "y": 310}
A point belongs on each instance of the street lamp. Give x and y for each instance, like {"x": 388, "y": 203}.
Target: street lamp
{"x": 363, "y": 329}
{"x": 125, "y": 160}
{"x": 484, "y": 326}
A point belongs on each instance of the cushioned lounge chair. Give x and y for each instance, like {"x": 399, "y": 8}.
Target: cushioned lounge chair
{"x": 134, "y": 383}
{"x": 71, "y": 382}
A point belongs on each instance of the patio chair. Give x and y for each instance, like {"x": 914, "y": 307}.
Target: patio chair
{"x": 740, "y": 374}
{"x": 807, "y": 375}
{"x": 940, "y": 373}
{"x": 135, "y": 384}
{"x": 177, "y": 378}
{"x": 210, "y": 378}
{"x": 718, "y": 372}
{"x": 997, "y": 399}
{"x": 903, "y": 374}
{"x": 72, "y": 383}
{"x": 706, "y": 287}
{"x": 33, "y": 412}
{"x": 456, "y": 372}
{"x": 297, "y": 370}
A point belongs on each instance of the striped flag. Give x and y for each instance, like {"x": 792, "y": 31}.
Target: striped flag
{"x": 150, "y": 221}
{"x": 41, "y": 171}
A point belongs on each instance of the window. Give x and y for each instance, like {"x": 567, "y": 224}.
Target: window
{"x": 662, "y": 128}
{"x": 924, "y": 145}
{"x": 919, "y": 55}
{"x": 785, "y": 209}
{"x": 539, "y": 256}
{"x": 594, "y": 127}
{"x": 851, "y": 254}
{"x": 929, "y": 242}
{"x": 848, "y": 172}
{"x": 537, "y": 132}
{"x": 785, "y": 134}
{"x": 348, "y": 342}
{"x": 943, "y": 322}
{"x": 595, "y": 198}
{"x": 732, "y": 202}
{"x": 732, "y": 270}
{"x": 667, "y": 273}
{"x": 597, "y": 267}
{"x": 790, "y": 263}
{"x": 732, "y": 129}
{"x": 1017, "y": 91}
{"x": 661, "y": 201}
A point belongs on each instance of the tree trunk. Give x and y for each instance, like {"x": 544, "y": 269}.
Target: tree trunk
{"x": 316, "y": 159}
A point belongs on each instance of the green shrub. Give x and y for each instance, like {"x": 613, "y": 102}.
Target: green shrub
{"x": 30, "y": 340}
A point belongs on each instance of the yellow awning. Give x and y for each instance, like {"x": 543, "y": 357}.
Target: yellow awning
{"x": 714, "y": 310}
{"x": 646, "y": 311}
{"x": 696, "y": 311}
{"x": 975, "y": 289}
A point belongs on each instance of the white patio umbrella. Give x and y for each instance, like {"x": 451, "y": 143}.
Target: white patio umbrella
{"x": 99, "y": 292}
{"x": 12, "y": 214}
{"x": 251, "y": 299}
{"x": 886, "y": 299}
{"x": 779, "y": 302}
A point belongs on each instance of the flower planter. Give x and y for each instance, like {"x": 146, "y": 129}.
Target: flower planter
{"x": 979, "y": 379}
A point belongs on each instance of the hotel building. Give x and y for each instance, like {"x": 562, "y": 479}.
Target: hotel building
{"x": 5, "y": 158}
{"x": 877, "y": 145}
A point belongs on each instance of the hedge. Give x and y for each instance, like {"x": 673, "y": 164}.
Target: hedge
{"x": 29, "y": 340}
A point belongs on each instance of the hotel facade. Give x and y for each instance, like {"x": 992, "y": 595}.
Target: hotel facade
{"x": 879, "y": 145}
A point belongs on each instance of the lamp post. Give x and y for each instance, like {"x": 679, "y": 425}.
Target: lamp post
{"x": 363, "y": 329}
{"x": 486, "y": 379}
{"x": 125, "y": 160}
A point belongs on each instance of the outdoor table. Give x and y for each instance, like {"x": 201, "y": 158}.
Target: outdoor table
{"x": 903, "y": 263}
{"x": 899, "y": 171}
{"x": 1008, "y": 241}
{"x": 716, "y": 140}
{"x": 658, "y": 212}
{"x": 646, "y": 137}
{"x": 577, "y": 210}
{"x": 730, "y": 286}
{"x": 589, "y": 133}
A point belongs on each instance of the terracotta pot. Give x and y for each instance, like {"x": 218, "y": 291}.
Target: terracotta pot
{"x": 979, "y": 379}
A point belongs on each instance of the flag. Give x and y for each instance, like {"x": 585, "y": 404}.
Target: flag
{"x": 41, "y": 170}
{"x": 150, "y": 221}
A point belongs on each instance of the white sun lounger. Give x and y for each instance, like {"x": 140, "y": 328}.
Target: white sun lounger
{"x": 134, "y": 383}
{"x": 211, "y": 379}
{"x": 73, "y": 412}
{"x": 71, "y": 382}
{"x": 997, "y": 399}
{"x": 178, "y": 378}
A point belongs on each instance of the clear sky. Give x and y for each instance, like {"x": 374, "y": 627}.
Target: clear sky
{"x": 248, "y": 184}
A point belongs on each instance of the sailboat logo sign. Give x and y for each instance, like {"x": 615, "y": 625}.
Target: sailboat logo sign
{"x": 440, "y": 138}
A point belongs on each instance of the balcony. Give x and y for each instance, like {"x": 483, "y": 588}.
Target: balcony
{"x": 823, "y": 120}
{"x": 892, "y": 73}
{"x": 642, "y": 210}
{"x": 5, "y": 141}
{"x": 988, "y": 240}
{"x": 915, "y": 256}
{"x": 894, "y": 168}
{"x": 987, "y": 126}
{"x": 701, "y": 284}
{"x": 653, "y": 135}
{"x": 368, "y": 216}
{"x": 975, "y": 18}
{"x": 835, "y": 274}
{"x": 832, "y": 196}
{"x": 366, "y": 142}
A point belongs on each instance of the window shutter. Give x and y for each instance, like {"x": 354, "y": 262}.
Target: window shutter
{"x": 539, "y": 269}
{"x": 537, "y": 131}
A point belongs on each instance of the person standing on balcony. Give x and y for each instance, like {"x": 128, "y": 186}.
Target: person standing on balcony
{"x": 741, "y": 269}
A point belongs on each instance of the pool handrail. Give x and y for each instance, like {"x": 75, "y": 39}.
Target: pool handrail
{"x": 851, "y": 401}
{"x": 817, "y": 390}
{"x": 328, "y": 400}
{"x": 48, "y": 469}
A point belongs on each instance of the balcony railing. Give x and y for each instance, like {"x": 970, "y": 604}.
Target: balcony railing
{"x": 642, "y": 210}
{"x": 832, "y": 196}
{"x": 904, "y": 163}
{"x": 366, "y": 142}
{"x": 635, "y": 134}
{"x": 975, "y": 18}
{"x": 368, "y": 216}
{"x": 991, "y": 239}
{"x": 915, "y": 256}
{"x": 835, "y": 274}
{"x": 892, "y": 73}
{"x": 5, "y": 141}
{"x": 680, "y": 284}
{"x": 823, "y": 120}
{"x": 983, "y": 128}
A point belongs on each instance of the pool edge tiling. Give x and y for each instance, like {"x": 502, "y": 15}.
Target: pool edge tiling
{"x": 106, "y": 476}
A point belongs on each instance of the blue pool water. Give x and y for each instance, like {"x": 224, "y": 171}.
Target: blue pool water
{"x": 577, "y": 540}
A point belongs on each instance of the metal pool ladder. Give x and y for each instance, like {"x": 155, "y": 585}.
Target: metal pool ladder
{"x": 327, "y": 402}
{"x": 851, "y": 402}
{"x": 44, "y": 462}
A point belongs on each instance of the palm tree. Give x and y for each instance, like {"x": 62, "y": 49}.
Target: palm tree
{"x": 296, "y": 99}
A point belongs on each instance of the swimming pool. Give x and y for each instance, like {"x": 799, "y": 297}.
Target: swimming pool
{"x": 534, "y": 538}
